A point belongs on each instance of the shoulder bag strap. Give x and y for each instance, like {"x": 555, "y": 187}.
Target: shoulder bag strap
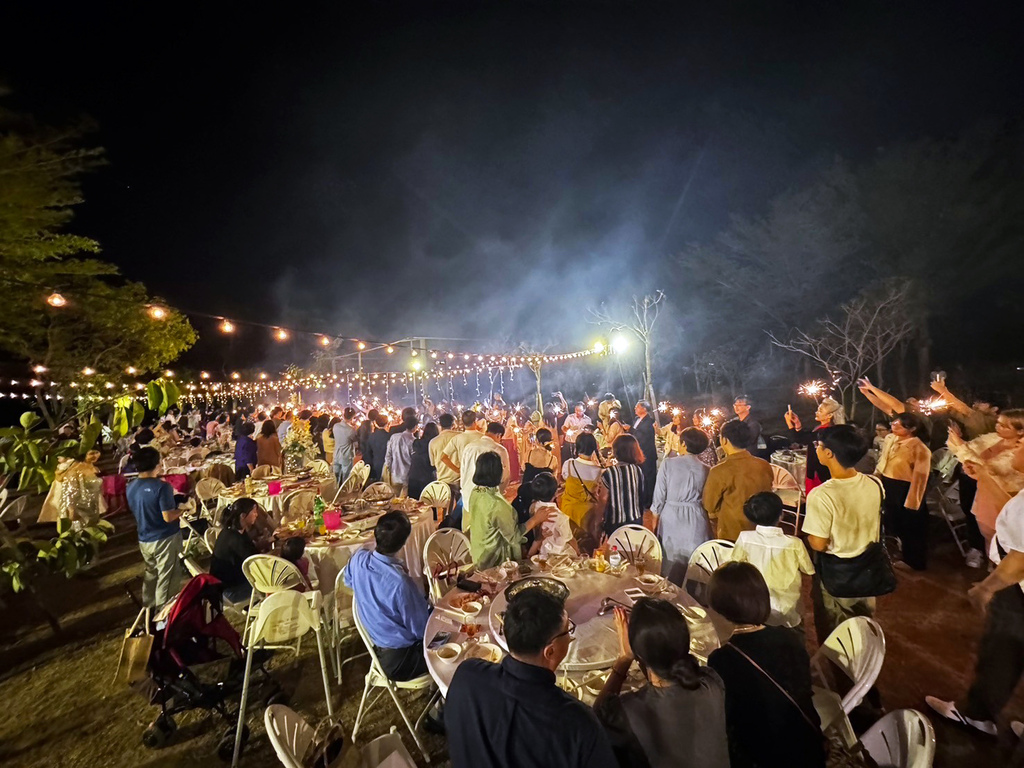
{"x": 817, "y": 729}
{"x": 591, "y": 496}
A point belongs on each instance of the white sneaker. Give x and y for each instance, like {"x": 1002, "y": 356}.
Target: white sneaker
{"x": 974, "y": 558}
{"x": 948, "y": 710}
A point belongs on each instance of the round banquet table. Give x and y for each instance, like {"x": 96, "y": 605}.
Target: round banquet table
{"x": 595, "y": 645}
{"x": 327, "y": 558}
{"x": 325, "y": 486}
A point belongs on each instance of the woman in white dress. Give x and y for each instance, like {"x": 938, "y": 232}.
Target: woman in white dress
{"x": 681, "y": 521}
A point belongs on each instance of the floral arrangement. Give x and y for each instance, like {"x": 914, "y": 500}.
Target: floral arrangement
{"x": 298, "y": 446}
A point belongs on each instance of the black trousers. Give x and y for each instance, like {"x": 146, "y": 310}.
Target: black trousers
{"x": 967, "y": 487}
{"x": 402, "y": 664}
{"x": 910, "y": 525}
{"x": 1000, "y": 656}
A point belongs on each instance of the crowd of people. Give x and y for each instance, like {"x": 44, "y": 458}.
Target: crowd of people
{"x": 558, "y": 484}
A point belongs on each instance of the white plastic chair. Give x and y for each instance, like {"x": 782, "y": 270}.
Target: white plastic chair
{"x": 633, "y": 540}
{"x": 269, "y": 574}
{"x": 343, "y": 626}
{"x": 284, "y": 617}
{"x": 439, "y": 496}
{"x": 195, "y": 455}
{"x": 442, "y": 548}
{"x": 319, "y": 467}
{"x": 208, "y": 490}
{"x": 210, "y": 538}
{"x": 704, "y": 561}
{"x": 379, "y": 490}
{"x": 375, "y": 678}
{"x": 15, "y": 513}
{"x": 291, "y": 736}
{"x": 263, "y": 471}
{"x": 785, "y": 486}
{"x": 857, "y": 648}
{"x": 355, "y": 481}
{"x": 901, "y": 739}
{"x": 298, "y": 503}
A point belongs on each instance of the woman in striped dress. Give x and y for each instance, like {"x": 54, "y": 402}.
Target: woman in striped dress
{"x": 625, "y": 483}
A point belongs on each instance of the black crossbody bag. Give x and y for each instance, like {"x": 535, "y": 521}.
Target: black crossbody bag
{"x": 869, "y": 574}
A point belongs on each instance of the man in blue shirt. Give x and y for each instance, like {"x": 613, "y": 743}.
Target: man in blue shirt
{"x": 513, "y": 715}
{"x": 390, "y": 605}
{"x": 398, "y": 457}
{"x": 151, "y": 501}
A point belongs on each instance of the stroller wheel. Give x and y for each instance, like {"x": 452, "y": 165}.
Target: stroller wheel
{"x": 226, "y": 747}
{"x": 159, "y": 731}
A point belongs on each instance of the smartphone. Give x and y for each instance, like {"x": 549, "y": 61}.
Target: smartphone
{"x": 468, "y": 585}
{"x": 438, "y": 640}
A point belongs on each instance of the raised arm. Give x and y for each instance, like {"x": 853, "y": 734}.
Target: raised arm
{"x": 883, "y": 401}
{"x": 955, "y": 404}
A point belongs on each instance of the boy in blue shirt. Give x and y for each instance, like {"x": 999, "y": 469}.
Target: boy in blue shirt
{"x": 151, "y": 501}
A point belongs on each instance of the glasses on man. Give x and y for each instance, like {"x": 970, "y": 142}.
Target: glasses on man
{"x": 571, "y": 631}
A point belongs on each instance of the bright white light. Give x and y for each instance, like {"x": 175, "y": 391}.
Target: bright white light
{"x": 598, "y": 348}
{"x": 620, "y": 344}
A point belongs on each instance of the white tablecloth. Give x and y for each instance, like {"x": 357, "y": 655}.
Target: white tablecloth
{"x": 327, "y": 560}
{"x": 326, "y": 487}
{"x": 596, "y": 644}
{"x": 794, "y": 463}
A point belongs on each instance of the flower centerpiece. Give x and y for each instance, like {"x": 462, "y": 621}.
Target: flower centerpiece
{"x": 299, "y": 448}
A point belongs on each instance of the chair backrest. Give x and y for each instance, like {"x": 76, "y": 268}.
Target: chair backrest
{"x": 379, "y": 491}
{"x": 289, "y": 734}
{"x": 264, "y": 471}
{"x": 902, "y": 739}
{"x": 783, "y": 479}
{"x": 15, "y": 510}
{"x": 222, "y": 472}
{"x": 210, "y": 537}
{"x": 284, "y": 617}
{"x": 269, "y": 574}
{"x": 355, "y": 481}
{"x": 633, "y": 540}
{"x": 209, "y": 488}
{"x": 857, "y": 647}
{"x": 196, "y": 454}
{"x": 320, "y": 467}
{"x": 173, "y": 461}
{"x": 299, "y": 502}
{"x": 437, "y": 494}
{"x": 390, "y": 748}
{"x": 442, "y": 547}
{"x": 342, "y": 596}
{"x": 712, "y": 554}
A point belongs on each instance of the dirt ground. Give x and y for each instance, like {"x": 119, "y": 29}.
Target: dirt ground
{"x": 60, "y": 707}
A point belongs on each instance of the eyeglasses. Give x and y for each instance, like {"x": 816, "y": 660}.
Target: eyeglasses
{"x": 571, "y": 631}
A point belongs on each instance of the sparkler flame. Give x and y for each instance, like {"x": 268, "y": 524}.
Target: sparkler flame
{"x": 815, "y": 388}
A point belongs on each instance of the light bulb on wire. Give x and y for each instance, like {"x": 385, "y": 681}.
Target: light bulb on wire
{"x": 56, "y": 300}
{"x": 226, "y": 326}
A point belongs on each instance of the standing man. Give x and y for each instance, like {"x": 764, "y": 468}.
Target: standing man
{"x": 344, "y": 445}
{"x": 284, "y": 426}
{"x": 643, "y": 431}
{"x": 451, "y": 455}
{"x": 398, "y": 457}
{"x": 377, "y": 447}
{"x": 445, "y": 473}
{"x": 734, "y": 480}
{"x": 489, "y": 442}
{"x": 575, "y": 423}
{"x": 742, "y": 407}
{"x": 156, "y": 514}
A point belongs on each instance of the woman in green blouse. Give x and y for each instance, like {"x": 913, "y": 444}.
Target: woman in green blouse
{"x": 491, "y": 522}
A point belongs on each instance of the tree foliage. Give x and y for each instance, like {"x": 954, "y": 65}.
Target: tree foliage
{"x": 105, "y": 325}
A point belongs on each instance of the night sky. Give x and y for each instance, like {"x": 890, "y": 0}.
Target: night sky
{"x": 481, "y": 170}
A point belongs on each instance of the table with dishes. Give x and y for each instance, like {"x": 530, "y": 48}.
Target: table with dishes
{"x": 350, "y": 528}
{"x": 271, "y": 492}
{"x": 468, "y": 625}
{"x": 794, "y": 462}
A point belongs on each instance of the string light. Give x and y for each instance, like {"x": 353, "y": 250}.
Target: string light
{"x": 157, "y": 312}
{"x": 131, "y": 370}
{"x": 169, "y": 374}
{"x": 236, "y": 376}
{"x": 281, "y": 334}
{"x": 204, "y": 375}
{"x": 361, "y": 345}
{"x": 87, "y": 371}
{"x": 324, "y": 341}
{"x": 56, "y": 300}
{"x": 390, "y": 350}
{"x": 39, "y": 369}
{"x": 226, "y": 326}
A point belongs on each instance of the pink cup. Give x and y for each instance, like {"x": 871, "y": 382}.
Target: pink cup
{"x": 273, "y": 487}
{"x": 332, "y": 520}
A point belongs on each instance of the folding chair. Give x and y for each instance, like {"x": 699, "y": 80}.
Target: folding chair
{"x": 439, "y": 496}
{"x": 263, "y": 471}
{"x": 298, "y": 504}
{"x": 291, "y": 736}
{"x": 375, "y": 678}
{"x": 208, "y": 491}
{"x": 343, "y": 627}
{"x": 319, "y": 467}
{"x": 901, "y": 739}
{"x": 444, "y": 547}
{"x": 221, "y": 472}
{"x": 857, "y": 648}
{"x": 355, "y": 481}
{"x": 634, "y": 540}
{"x": 381, "y": 490}
{"x": 269, "y": 574}
{"x": 284, "y": 617}
{"x": 195, "y": 524}
{"x": 785, "y": 486}
{"x": 15, "y": 513}
{"x": 945, "y": 495}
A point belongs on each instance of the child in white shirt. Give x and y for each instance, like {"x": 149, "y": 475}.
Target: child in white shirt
{"x": 779, "y": 557}
{"x": 555, "y": 535}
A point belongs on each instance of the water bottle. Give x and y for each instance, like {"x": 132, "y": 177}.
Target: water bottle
{"x": 614, "y": 558}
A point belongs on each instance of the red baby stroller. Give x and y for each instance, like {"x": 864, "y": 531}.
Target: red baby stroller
{"x": 187, "y": 641}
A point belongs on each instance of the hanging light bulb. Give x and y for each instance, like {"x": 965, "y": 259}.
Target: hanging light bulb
{"x": 204, "y": 375}
{"x": 169, "y": 374}
{"x": 361, "y": 345}
{"x": 263, "y": 376}
{"x": 390, "y": 350}
{"x": 39, "y": 369}
{"x": 235, "y": 376}
{"x": 131, "y": 370}
{"x": 157, "y": 312}
{"x": 226, "y": 326}
{"x": 281, "y": 334}
{"x": 324, "y": 341}
{"x": 56, "y": 300}
{"x": 87, "y": 371}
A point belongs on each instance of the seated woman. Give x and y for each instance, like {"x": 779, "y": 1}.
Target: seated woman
{"x": 540, "y": 457}
{"x": 495, "y": 534}
{"x": 234, "y": 545}
{"x": 679, "y": 717}
{"x": 770, "y": 718}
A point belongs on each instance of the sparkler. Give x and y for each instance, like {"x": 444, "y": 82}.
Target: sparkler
{"x": 815, "y": 388}
{"x": 933, "y": 405}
